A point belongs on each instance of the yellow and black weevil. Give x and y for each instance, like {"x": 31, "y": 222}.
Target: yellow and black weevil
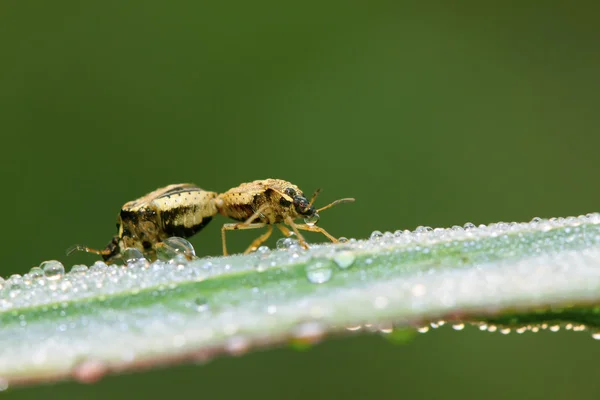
{"x": 184, "y": 209}
{"x": 268, "y": 202}
{"x": 175, "y": 210}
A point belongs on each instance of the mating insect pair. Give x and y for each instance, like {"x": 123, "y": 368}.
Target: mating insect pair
{"x": 184, "y": 209}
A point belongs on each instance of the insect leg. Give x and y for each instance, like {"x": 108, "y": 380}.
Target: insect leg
{"x": 294, "y": 227}
{"x": 259, "y": 240}
{"x": 243, "y": 225}
{"x": 314, "y": 228}
{"x": 286, "y": 232}
{"x": 79, "y": 247}
{"x": 256, "y": 214}
{"x": 247, "y": 224}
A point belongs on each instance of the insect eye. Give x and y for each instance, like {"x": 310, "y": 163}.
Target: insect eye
{"x": 290, "y": 192}
{"x": 300, "y": 201}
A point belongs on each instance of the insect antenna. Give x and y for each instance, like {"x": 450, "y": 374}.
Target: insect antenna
{"x": 314, "y": 196}
{"x": 79, "y": 247}
{"x": 346, "y": 200}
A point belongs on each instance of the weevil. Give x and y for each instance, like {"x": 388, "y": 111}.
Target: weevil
{"x": 176, "y": 210}
{"x": 268, "y": 202}
{"x": 184, "y": 209}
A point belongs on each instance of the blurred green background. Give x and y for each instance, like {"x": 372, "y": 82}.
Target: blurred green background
{"x": 431, "y": 114}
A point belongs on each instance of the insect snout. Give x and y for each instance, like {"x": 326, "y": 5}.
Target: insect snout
{"x": 303, "y": 207}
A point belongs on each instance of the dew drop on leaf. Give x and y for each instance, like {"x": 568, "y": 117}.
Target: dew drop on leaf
{"x": 53, "y": 269}
{"x": 319, "y": 272}
{"x": 134, "y": 257}
{"x": 344, "y": 259}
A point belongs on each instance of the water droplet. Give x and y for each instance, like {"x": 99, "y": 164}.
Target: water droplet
{"x": 79, "y": 268}
{"x": 237, "y": 345}
{"x": 53, "y": 269}
{"x": 458, "y": 327}
{"x": 312, "y": 220}
{"x": 264, "y": 264}
{"x": 319, "y": 272}
{"x": 90, "y": 371}
{"x": 376, "y": 235}
{"x": 469, "y": 226}
{"x": 262, "y": 250}
{"x": 65, "y": 285}
{"x": 505, "y": 331}
{"x": 423, "y": 329}
{"x": 286, "y": 243}
{"x": 15, "y": 283}
{"x": 36, "y": 273}
{"x": 344, "y": 259}
{"x": 133, "y": 257}
{"x": 343, "y": 239}
{"x": 201, "y": 304}
{"x": 173, "y": 246}
{"x": 386, "y": 329}
{"x": 309, "y": 332}
{"x": 423, "y": 229}
{"x": 554, "y": 328}
{"x": 98, "y": 266}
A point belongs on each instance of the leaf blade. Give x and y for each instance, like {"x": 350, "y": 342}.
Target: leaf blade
{"x": 84, "y": 325}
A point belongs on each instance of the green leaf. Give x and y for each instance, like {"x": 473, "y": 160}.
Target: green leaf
{"x": 506, "y": 277}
